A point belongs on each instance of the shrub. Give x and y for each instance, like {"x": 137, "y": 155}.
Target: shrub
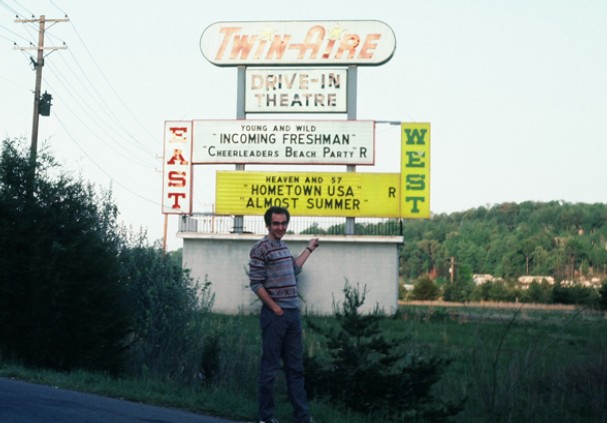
{"x": 367, "y": 373}
{"x": 165, "y": 306}
{"x": 578, "y": 295}
{"x": 61, "y": 304}
{"x": 425, "y": 290}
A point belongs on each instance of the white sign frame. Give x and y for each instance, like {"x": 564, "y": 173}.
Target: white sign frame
{"x": 319, "y": 142}
{"x": 296, "y": 90}
{"x": 362, "y": 43}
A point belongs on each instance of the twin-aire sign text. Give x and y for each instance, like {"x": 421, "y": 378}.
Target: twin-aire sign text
{"x": 298, "y": 43}
{"x": 284, "y": 142}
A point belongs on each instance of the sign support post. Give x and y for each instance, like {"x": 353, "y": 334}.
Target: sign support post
{"x": 240, "y": 114}
{"x": 351, "y": 101}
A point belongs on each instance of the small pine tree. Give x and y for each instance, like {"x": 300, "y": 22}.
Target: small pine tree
{"x": 367, "y": 373}
{"x": 425, "y": 290}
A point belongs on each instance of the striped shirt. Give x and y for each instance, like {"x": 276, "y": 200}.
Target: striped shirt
{"x": 272, "y": 266}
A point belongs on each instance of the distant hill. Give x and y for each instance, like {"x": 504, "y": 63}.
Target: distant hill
{"x": 563, "y": 240}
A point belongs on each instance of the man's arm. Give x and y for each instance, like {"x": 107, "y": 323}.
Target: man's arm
{"x": 312, "y": 245}
{"x": 265, "y": 298}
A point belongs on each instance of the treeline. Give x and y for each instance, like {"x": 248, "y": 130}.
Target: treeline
{"x": 563, "y": 245}
{"x": 77, "y": 290}
{"x": 555, "y": 241}
{"x": 558, "y": 239}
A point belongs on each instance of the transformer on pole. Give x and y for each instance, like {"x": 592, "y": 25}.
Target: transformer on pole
{"x": 42, "y": 104}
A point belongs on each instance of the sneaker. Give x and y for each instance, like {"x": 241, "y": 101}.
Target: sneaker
{"x": 269, "y": 421}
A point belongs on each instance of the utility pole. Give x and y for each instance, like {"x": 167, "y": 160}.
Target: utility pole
{"x": 38, "y": 64}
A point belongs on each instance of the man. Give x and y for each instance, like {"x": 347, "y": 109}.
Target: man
{"x": 272, "y": 270}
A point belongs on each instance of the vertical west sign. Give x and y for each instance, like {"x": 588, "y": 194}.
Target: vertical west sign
{"x": 415, "y": 170}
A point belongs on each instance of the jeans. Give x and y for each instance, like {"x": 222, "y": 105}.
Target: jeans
{"x": 282, "y": 340}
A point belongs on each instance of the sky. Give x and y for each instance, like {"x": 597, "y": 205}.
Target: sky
{"x": 515, "y": 92}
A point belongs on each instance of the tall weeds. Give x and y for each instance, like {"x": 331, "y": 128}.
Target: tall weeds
{"x": 519, "y": 380}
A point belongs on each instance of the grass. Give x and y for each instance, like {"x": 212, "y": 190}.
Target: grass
{"x": 531, "y": 364}
{"x": 149, "y": 391}
{"x": 509, "y": 364}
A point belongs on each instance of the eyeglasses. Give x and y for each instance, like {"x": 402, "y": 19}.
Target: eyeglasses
{"x": 283, "y": 223}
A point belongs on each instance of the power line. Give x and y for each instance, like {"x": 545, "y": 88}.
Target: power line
{"x": 101, "y": 101}
{"x": 82, "y": 77}
{"x": 85, "y": 104}
{"x": 95, "y": 163}
{"x": 28, "y": 25}
{"x": 60, "y": 9}
{"x": 109, "y": 138}
{"x": 17, "y": 35}
{"x": 112, "y": 87}
{"x": 6, "y": 38}
{"x": 10, "y": 9}
{"x": 15, "y": 83}
{"x": 24, "y": 8}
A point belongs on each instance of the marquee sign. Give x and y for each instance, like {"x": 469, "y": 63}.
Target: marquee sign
{"x": 298, "y": 42}
{"x": 277, "y": 56}
{"x": 309, "y": 194}
{"x": 404, "y": 195}
{"x": 303, "y": 90}
{"x": 177, "y": 168}
{"x": 415, "y": 170}
{"x": 333, "y": 142}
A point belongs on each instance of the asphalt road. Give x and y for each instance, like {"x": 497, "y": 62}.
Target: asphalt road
{"x": 22, "y": 402}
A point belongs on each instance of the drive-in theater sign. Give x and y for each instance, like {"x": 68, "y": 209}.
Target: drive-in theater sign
{"x": 277, "y": 78}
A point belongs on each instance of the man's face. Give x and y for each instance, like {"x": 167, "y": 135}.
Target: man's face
{"x": 278, "y": 226}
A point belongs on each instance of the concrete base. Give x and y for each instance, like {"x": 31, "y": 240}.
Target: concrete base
{"x": 366, "y": 261}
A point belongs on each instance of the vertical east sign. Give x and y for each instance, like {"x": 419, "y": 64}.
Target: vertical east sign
{"x": 415, "y": 170}
{"x": 298, "y": 43}
{"x": 177, "y": 168}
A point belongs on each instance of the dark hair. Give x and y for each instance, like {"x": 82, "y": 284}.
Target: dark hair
{"x": 275, "y": 210}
